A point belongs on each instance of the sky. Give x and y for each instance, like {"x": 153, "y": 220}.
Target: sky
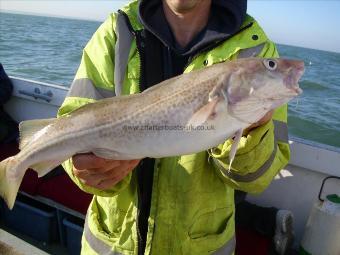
{"x": 306, "y": 23}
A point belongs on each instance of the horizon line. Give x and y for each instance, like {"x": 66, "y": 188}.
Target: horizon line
{"x": 97, "y": 20}
{"x": 47, "y": 15}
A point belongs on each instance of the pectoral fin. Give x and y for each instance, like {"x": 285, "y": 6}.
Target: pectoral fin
{"x": 234, "y": 146}
{"x": 204, "y": 113}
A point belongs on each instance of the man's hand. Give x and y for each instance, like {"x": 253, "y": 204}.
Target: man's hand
{"x": 261, "y": 122}
{"x": 101, "y": 173}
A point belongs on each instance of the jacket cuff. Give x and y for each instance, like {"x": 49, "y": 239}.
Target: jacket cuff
{"x": 252, "y": 152}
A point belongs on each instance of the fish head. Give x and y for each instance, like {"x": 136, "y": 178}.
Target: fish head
{"x": 257, "y": 86}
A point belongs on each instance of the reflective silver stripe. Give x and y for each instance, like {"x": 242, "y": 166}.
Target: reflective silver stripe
{"x": 122, "y": 50}
{"x": 280, "y": 134}
{"x": 251, "y": 176}
{"x": 96, "y": 244}
{"x": 228, "y": 248}
{"x": 281, "y": 131}
{"x": 250, "y": 52}
{"x": 85, "y": 88}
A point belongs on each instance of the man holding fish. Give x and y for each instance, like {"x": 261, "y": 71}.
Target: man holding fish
{"x": 182, "y": 202}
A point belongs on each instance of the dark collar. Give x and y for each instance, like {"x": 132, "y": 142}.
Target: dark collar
{"x": 226, "y": 18}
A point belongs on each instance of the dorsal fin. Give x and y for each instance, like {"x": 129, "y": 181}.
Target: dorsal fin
{"x": 30, "y": 127}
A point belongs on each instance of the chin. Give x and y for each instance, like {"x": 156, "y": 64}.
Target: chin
{"x": 182, "y": 6}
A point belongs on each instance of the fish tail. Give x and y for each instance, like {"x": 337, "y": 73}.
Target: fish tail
{"x": 9, "y": 185}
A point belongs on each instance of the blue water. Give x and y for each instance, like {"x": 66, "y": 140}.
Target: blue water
{"x": 43, "y": 48}
{"x": 49, "y": 50}
{"x": 315, "y": 115}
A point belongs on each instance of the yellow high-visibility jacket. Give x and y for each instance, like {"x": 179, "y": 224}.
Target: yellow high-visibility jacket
{"x": 192, "y": 204}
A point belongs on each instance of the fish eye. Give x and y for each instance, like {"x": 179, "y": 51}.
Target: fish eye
{"x": 270, "y": 64}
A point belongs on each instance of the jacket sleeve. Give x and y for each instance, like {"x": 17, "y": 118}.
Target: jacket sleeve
{"x": 6, "y": 86}
{"x": 94, "y": 80}
{"x": 261, "y": 154}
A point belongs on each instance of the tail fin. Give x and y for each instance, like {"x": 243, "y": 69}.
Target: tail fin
{"x": 9, "y": 186}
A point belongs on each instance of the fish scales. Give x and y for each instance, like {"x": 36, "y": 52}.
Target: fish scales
{"x": 159, "y": 122}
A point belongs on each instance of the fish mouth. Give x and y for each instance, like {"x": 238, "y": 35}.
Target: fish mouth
{"x": 298, "y": 91}
{"x": 293, "y": 77}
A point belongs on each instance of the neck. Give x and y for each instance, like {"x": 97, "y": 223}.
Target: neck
{"x": 186, "y": 24}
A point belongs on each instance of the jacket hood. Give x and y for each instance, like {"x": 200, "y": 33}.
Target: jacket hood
{"x": 226, "y": 18}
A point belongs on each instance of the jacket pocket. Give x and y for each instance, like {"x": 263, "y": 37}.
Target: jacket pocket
{"x": 212, "y": 229}
{"x": 210, "y": 223}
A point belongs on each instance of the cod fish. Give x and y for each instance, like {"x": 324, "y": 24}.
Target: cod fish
{"x": 187, "y": 114}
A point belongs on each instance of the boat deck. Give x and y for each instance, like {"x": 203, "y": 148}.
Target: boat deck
{"x": 12, "y": 245}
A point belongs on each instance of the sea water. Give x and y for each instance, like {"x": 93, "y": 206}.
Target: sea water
{"x": 49, "y": 49}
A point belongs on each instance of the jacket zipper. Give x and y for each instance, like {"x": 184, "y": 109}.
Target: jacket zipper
{"x": 140, "y": 50}
{"x": 139, "y": 235}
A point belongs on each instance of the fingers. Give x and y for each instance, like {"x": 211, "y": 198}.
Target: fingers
{"x": 106, "y": 172}
{"x": 87, "y": 161}
{"x": 267, "y": 117}
{"x": 106, "y": 179}
{"x": 134, "y": 163}
{"x": 101, "y": 173}
{"x": 108, "y": 183}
